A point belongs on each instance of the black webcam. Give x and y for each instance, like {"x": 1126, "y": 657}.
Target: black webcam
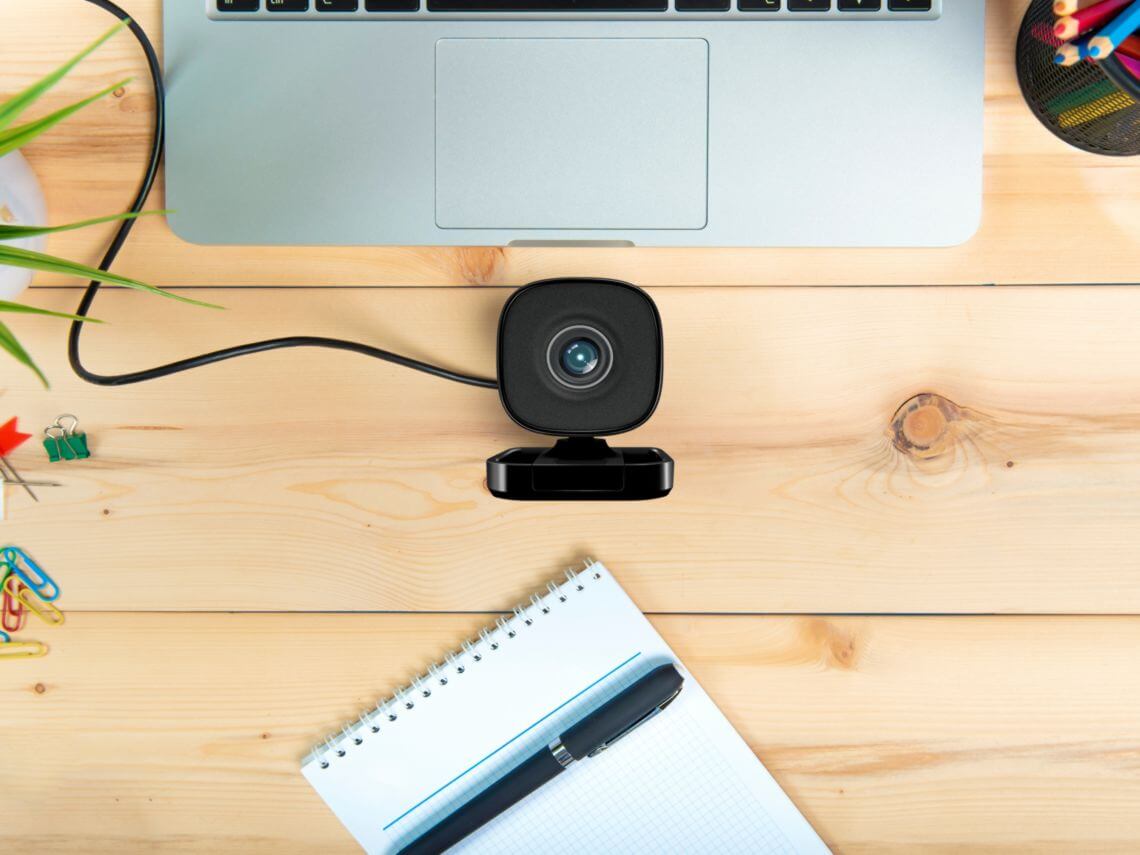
{"x": 580, "y": 359}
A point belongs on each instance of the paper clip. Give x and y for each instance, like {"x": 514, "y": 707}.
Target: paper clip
{"x": 22, "y": 649}
{"x": 4, "y": 637}
{"x": 45, "y": 610}
{"x": 33, "y": 576}
{"x": 12, "y": 611}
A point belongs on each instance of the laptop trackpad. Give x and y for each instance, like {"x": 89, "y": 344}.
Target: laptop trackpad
{"x": 571, "y": 133}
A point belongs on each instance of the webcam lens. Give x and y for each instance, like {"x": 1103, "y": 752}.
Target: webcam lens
{"x": 580, "y": 357}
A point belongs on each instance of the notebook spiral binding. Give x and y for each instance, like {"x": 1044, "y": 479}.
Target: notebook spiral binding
{"x": 454, "y": 665}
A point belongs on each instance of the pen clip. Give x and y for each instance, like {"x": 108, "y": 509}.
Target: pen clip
{"x": 626, "y": 731}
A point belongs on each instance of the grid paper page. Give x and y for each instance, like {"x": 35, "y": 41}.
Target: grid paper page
{"x": 683, "y": 782}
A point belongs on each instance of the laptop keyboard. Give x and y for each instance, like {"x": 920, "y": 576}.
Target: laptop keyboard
{"x": 758, "y": 10}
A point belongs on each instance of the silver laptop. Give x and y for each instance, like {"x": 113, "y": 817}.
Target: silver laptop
{"x": 562, "y": 122}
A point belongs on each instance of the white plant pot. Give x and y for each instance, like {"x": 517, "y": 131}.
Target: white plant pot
{"x": 21, "y": 204}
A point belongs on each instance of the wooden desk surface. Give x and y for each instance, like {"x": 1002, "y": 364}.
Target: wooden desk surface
{"x": 902, "y": 553}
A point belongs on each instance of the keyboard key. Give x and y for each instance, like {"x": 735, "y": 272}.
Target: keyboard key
{"x": 860, "y": 5}
{"x": 758, "y": 5}
{"x": 809, "y": 5}
{"x": 701, "y": 5}
{"x": 548, "y": 5}
{"x": 239, "y": 5}
{"x": 338, "y": 5}
{"x": 287, "y": 5}
{"x": 391, "y": 5}
{"x": 908, "y": 5}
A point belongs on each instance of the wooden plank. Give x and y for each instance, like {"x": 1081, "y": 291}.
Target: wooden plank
{"x": 184, "y": 733}
{"x": 90, "y": 166}
{"x": 801, "y": 485}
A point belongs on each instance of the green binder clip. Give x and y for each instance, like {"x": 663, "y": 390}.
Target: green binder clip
{"x": 64, "y": 441}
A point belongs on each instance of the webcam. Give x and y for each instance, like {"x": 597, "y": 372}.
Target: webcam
{"x": 580, "y": 359}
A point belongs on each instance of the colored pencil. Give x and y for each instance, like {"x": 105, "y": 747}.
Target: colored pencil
{"x": 1073, "y": 52}
{"x": 1116, "y": 31}
{"x": 1068, "y": 7}
{"x": 1113, "y": 103}
{"x": 1084, "y": 95}
{"x": 1086, "y": 19}
{"x": 1129, "y": 47}
{"x": 1044, "y": 34}
{"x": 1130, "y": 64}
{"x": 1122, "y": 123}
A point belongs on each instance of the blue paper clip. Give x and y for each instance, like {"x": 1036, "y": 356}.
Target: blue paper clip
{"x": 4, "y": 637}
{"x": 34, "y": 576}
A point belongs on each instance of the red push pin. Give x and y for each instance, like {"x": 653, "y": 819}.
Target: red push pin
{"x": 10, "y": 440}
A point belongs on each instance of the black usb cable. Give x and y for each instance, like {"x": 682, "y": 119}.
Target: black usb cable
{"x": 124, "y": 231}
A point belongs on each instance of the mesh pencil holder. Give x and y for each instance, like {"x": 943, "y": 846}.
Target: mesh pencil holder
{"x": 1094, "y": 106}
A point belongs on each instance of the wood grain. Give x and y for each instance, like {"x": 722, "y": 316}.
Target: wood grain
{"x": 838, "y": 450}
{"x": 949, "y": 450}
{"x": 184, "y": 733}
{"x": 90, "y": 166}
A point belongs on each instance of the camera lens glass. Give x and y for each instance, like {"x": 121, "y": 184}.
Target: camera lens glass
{"x": 579, "y": 357}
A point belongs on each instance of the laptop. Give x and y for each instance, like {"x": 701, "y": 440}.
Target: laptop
{"x": 570, "y": 122}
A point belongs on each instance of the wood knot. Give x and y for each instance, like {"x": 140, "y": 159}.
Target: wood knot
{"x": 480, "y": 265}
{"x": 923, "y": 426}
{"x": 834, "y": 646}
{"x": 39, "y": 688}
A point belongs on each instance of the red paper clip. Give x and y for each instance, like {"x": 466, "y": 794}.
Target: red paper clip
{"x": 13, "y": 613}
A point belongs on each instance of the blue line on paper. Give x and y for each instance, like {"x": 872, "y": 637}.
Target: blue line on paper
{"x": 512, "y": 739}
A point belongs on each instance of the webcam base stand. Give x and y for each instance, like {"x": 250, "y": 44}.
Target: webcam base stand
{"x": 580, "y": 468}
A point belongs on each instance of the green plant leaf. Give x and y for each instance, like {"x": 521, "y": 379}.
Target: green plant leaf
{"x": 21, "y": 309}
{"x": 17, "y": 104}
{"x": 19, "y": 136}
{"x": 21, "y": 232}
{"x": 9, "y": 343}
{"x": 13, "y": 257}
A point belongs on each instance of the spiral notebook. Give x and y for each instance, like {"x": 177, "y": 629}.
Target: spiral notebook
{"x": 684, "y": 782}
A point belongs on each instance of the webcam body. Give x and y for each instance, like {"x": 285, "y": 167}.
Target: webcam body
{"x": 580, "y": 359}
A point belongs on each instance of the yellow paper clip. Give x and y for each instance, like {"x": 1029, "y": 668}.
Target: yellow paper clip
{"x": 22, "y": 649}
{"x": 41, "y": 608}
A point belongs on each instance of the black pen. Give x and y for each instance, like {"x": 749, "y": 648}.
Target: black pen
{"x": 593, "y": 734}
